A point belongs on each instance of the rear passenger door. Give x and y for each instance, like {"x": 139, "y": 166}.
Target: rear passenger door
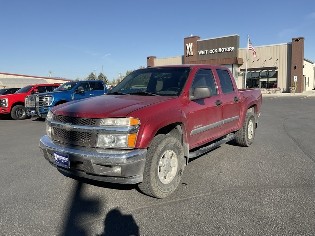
{"x": 230, "y": 101}
{"x": 203, "y": 115}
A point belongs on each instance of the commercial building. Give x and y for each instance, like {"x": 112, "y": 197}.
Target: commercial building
{"x": 273, "y": 68}
{"x": 8, "y": 80}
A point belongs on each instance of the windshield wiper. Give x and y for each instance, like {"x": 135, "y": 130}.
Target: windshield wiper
{"x": 144, "y": 93}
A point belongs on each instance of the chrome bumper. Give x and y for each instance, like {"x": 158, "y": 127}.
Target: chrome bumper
{"x": 115, "y": 166}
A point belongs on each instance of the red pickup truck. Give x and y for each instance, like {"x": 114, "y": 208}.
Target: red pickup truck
{"x": 14, "y": 104}
{"x": 145, "y": 130}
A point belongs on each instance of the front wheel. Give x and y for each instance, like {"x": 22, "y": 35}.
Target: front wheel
{"x": 245, "y": 136}
{"x": 18, "y": 112}
{"x": 164, "y": 166}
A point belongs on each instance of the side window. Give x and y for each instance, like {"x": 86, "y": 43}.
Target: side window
{"x": 205, "y": 78}
{"x": 41, "y": 89}
{"x": 225, "y": 81}
{"x": 96, "y": 85}
{"x": 85, "y": 85}
{"x": 50, "y": 88}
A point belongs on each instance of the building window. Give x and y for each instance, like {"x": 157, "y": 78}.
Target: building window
{"x": 262, "y": 79}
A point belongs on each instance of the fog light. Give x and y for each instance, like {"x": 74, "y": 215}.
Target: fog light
{"x": 117, "y": 170}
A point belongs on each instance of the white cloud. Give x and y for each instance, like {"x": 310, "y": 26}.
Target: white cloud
{"x": 106, "y": 55}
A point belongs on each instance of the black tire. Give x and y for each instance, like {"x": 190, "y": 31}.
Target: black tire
{"x": 160, "y": 178}
{"x": 245, "y": 136}
{"x": 18, "y": 112}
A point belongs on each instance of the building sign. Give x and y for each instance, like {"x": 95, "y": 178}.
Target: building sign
{"x": 189, "y": 49}
{"x": 217, "y": 48}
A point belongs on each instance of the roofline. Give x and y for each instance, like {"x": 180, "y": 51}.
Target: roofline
{"x": 33, "y": 76}
{"x": 270, "y": 45}
{"x": 305, "y": 59}
{"x": 218, "y": 37}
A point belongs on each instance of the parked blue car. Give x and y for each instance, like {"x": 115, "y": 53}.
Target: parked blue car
{"x": 40, "y": 104}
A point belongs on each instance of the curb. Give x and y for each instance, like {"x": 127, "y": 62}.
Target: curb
{"x": 290, "y": 95}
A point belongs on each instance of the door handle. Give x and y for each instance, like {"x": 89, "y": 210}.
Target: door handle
{"x": 218, "y": 103}
{"x": 236, "y": 99}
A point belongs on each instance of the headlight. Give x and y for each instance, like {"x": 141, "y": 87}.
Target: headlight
{"x": 48, "y": 130}
{"x": 4, "y": 102}
{"x": 120, "y": 140}
{"x": 47, "y": 100}
{"x": 119, "y": 122}
{"x": 116, "y": 140}
{"x": 48, "y": 126}
{"x": 49, "y": 116}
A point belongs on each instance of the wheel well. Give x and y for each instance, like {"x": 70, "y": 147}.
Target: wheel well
{"x": 176, "y": 130}
{"x": 253, "y": 110}
{"x": 17, "y": 103}
{"x": 172, "y": 129}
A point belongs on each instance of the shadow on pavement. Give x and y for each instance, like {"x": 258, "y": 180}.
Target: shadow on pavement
{"x": 118, "y": 224}
{"x": 82, "y": 209}
{"x": 79, "y": 207}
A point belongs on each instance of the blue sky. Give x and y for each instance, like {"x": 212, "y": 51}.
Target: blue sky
{"x": 72, "y": 38}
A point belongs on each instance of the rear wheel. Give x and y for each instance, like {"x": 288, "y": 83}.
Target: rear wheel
{"x": 18, "y": 112}
{"x": 245, "y": 136}
{"x": 164, "y": 166}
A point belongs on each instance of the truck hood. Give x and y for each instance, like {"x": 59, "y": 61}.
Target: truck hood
{"x": 54, "y": 92}
{"x": 14, "y": 95}
{"x": 107, "y": 106}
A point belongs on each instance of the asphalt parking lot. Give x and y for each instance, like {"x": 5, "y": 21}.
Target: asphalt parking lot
{"x": 265, "y": 189}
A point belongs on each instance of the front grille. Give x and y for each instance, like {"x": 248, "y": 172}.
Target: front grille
{"x": 74, "y": 138}
{"x": 76, "y": 120}
{"x": 41, "y": 100}
{"x": 30, "y": 101}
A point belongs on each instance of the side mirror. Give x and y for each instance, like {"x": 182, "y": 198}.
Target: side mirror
{"x": 80, "y": 89}
{"x": 200, "y": 92}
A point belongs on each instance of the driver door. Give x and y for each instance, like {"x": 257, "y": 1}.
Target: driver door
{"x": 204, "y": 115}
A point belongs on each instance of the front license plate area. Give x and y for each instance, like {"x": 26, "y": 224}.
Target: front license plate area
{"x": 62, "y": 160}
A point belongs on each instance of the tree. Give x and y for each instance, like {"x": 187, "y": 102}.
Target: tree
{"x": 128, "y": 72}
{"x": 92, "y": 76}
{"x": 102, "y": 77}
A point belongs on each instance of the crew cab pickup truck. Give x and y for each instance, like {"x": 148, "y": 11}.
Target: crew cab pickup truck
{"x": 40, "y": 104}
{"x": 14, "y": 105}
{"x": 145, "y": 130}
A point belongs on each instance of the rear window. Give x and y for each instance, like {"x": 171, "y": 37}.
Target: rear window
{"x": 225, "y": 81}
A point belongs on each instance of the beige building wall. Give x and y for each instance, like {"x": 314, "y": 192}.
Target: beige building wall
{"x": 18, "y": 81}
{"x": 268, "y": 56}
{"x": 168, "y": 61}
{"x": 308, "y": 74}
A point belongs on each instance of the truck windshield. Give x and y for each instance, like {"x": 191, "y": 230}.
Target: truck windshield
{"x": 163, "y": 81}
{"x": 24, "y": 89}
{"x": 66, "y": 86}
